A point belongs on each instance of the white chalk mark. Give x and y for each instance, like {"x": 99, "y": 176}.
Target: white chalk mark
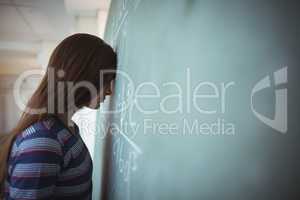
{"x": 137, "y": 3}
{"x": 120, "y": 26}
{"x": 135, "y": 146}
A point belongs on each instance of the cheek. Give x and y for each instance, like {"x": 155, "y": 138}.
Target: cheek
{"x": 100, "y": 98}
{"x": 95, "y": 103}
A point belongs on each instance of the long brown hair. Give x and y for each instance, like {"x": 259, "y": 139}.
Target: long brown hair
{"x": 80, "y": 57}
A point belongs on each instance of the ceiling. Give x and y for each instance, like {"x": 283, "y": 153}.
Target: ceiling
{"x": 27, "y": 25}
{"x": 33, "y": 20}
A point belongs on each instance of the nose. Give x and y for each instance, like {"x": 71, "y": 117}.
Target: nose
{"x": 109, "y": 89}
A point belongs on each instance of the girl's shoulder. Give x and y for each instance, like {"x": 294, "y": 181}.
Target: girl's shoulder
{"x": 46, "y": 128}
{"x": 49, "y": 134}
{"x": 37, "y": 141}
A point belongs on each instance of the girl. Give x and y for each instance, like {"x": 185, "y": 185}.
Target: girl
{"x": 44, "y": 157}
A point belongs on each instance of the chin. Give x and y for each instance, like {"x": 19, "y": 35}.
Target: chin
{"x": 94, "y": 107}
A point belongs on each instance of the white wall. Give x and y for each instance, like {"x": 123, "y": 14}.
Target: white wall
{"x": 10, "y": 112}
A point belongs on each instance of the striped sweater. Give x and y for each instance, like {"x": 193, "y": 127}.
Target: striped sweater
{"x": 49, "y": 162}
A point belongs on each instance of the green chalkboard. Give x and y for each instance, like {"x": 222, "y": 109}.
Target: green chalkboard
{"x": 206, "y": 100}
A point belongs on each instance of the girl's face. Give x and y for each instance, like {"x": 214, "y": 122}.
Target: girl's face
{"x": 106, "y": 91}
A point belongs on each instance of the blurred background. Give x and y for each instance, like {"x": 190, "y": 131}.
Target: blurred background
{"x": 29, "y": 31}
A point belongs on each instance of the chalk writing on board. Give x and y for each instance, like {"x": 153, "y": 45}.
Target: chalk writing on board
{"x": 119, "y": 21}
{"x": 136, "y": 4}
{"x": 126, "y": 152}
{"x": 119, "y": 27}
{"x": 126, "y": 157}
{"x": 125, "y": 162}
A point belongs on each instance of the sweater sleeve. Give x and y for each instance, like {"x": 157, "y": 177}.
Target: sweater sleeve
{"x": 35, "y": 168}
